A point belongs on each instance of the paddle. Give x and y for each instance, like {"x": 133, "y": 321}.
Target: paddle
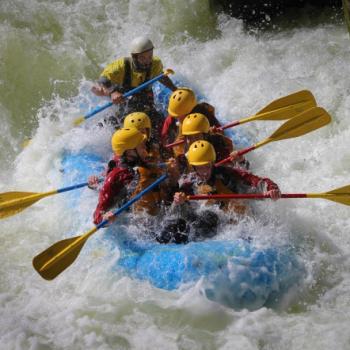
{"x": 281, "y": 109}
{"x": 310, "y": 120}
{"x": 339, "y": 195}
{"x": 26, "y": 143}
{"x": 129, "y": 93}
{"x": 12, "y": 203}
{"x": 55, "y": 259}
{"x": 176, "y": 143}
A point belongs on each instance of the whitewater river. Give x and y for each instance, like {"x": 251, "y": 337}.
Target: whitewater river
{"x": 50, "y": 52}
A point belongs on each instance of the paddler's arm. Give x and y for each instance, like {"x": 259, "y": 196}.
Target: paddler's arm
{"x": 166, "y": 130}
{"x": 180, "y": 198}
{"x": 235, "y": 157}
{"x": 270, "y": 188}
{"x": 262, "y": 184}
{"x": 274, "y": 194}
{"x": 114, "y": 182}
{"x": 185, "y": 189}
{"x": 104, "y": 87}
{"x": 110, "y": 81}
{"x": 158, "y": 68}
{"x": 93, "y": 182}
{"x": 166, "y": 81}
{"x": 105, "y": 200}
{"x": 110, "y": 216}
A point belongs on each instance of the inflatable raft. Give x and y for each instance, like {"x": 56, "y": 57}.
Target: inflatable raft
{"x": 235, "y": 273}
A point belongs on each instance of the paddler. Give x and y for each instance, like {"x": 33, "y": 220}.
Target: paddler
{"x": 207, "y": 179}
{"x": 196, "y": 127}
{"x": 123, "y": 181}
{"x": 127, "y": 73}
{"x": 141, "y": 122}
{"x": 182, "y": 102}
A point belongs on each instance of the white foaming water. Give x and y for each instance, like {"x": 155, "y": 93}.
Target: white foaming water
{"x": 88, "y": 307}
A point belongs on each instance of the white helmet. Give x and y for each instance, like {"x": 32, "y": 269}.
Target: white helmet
{"x": 141, "y": 44}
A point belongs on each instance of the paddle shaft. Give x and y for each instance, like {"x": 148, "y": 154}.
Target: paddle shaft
{"x": 250, "y": 196}
{"x": 242, "y": 152}
{"x": 127, "y": 94}
{"x": 176, "y": 143}
{"x": 341, "y": 196}
{"x": 73, "y": 187}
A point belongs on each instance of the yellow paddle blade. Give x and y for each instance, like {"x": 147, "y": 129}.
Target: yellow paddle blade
{"x": 59, "y": 265}
{"x": 26, "y": 142}
{"x": 340, "y": 195}
{"x": 310, "y": 120}
{"x": 285, "y": 107}
{"x": 78, "y": 121}
{"x": 55, "y": 259}
{"x": 288, "y": 106}
{"x": 285, "y": 112}
{"x": 11, "y": 196}
{"x": 12, "y": 203}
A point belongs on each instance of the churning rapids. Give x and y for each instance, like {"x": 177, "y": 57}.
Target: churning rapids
{"x": 50, "y": 54}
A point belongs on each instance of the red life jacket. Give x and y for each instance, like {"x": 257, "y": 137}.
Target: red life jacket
{"x": 113, "y": 190}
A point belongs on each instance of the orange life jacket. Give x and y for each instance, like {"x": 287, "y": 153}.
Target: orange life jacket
{"x": 151, "y": 201}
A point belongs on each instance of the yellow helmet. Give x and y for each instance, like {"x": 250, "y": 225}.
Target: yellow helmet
{"x": 181, "y": 102}
{"x": 195, "y": 123}
{"x": 138, "y": 120}
{"x": 201, "y": 153}
{"x": 125, "y": 139}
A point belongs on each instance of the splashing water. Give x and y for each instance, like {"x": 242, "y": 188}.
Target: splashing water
{"x": 51, "y": 51}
